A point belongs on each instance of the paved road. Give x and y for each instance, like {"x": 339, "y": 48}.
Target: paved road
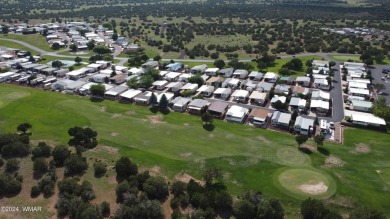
{"x": 377, "y": 75}
{"x": 337, "y": 93}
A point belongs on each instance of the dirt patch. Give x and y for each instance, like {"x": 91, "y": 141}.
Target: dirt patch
{"x": 185, "y": 177}
{"x": 340, "y": 201}
{"x": 211, "y": 135}
{"x": 361, "y": 149}
{"x": 332, "y": 161}
{"x": 108, "y": 149}
{"x": 155, "y": 119}
{"x": 116, "y": 115}
{"x": 131, "y": 112}
{"x": 167, "y": 207}
{"x": 186, "y": 124}
{"x": 186, "y": 154}
{"x": 103, "y": 108}
{"x": 263, "y": 139}
{"x": 154, "y": 171}
{"x": 314, "y": 189}
{"x": 113, "y": 134}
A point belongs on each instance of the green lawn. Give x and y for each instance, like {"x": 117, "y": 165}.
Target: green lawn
{"x": 33, "y": 39}
{"x": 344, "y": 58}
{"x": 251, "y": 158}
{"x": 280, "y": 62}
{"x": 16, "y": 46}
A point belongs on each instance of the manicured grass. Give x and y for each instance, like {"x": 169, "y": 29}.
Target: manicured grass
{"x": 33, "y": 39}
{"x": 14, "y": 45}
{"x": 192, "y": 64}
{"x": 344, "y": 58}
{"x": 68, "y": 53}
{"x": 250, "y": 158}
{"x": 280, "y": 62}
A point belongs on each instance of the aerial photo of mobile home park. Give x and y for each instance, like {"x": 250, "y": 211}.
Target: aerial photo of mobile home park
{"x": 177, "y": 109}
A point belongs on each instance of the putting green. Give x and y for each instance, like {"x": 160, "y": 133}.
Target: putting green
{"x": 292, "y": 157}
{"x": 304, "y": 183}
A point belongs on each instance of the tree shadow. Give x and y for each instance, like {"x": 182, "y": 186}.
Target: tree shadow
{"x": 37, "y": 175}
{"x": 165, "y": 111}
{"x": 323, "y": 151}
{"x": 153, "y": 110}
{"x": 96, "y": 99}
{"x": 209, "y": 127}
{"x": 305, "y": 150}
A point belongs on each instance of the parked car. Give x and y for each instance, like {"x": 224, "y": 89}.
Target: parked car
{"x": 331, "y": 125}
{"x": 386, "y": 70}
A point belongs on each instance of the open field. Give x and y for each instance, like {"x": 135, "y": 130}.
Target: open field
{"x": 250, "y": 158}
{"x": 33, "y": 39}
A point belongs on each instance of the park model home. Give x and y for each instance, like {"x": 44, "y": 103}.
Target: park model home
{"x": 222, "y": 93}
{"x": 206, "y": 91}
{"x": 172, "y": 76}
{"x": 240, "y": 96}
{"x": 259, "y": 117}
{"x": 297, "y": 103}
{"x": 113, "y": 93}
{"x": 218, "y": 109}
{"x": 367, "y": 120}
{"x": 364, "y": 106}
{"x": 271, "y": 77}
{"x": 240, "y": 73}
{"x": 160, "y": 85}
{"x": 226, "y": 72}
{"x": 198, "y": 69}
{"x": 174, "y": 86}
{"x": 280, "y": 119}
{"x": 128, "y": 96}
{"x": 321, "y": 83}
{"x": 179, "y": 104}
{"x": 6, "y": 76}
{"x": 258, "y": 98}
{"x": 151, "y": 64}
{"x": 255, "y": 76}
{"x": 236, "y": 114}
{"x": 189, "y": 88}
{"x": 211, "y": 71}
{"x": 303, "y": 81}
{"x": 231, "y": 82}
{"x": 303, "y": 126}
{"x": 99, "y": 78}
{"x": 198, "y": 106}
{"x": 143, "y": 98}
{"x": 174, "y": 66}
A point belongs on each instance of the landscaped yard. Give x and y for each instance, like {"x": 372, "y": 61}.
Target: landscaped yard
{"x": 356, "y": 58}
{"x": 251, "y": 158}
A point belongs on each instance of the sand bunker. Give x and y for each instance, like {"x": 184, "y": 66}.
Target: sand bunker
{"x": 314, "y": 189}
{"x": 115, "y": 115}
{"x": 334, "y": 162}
{"x": 113, "y": 134}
